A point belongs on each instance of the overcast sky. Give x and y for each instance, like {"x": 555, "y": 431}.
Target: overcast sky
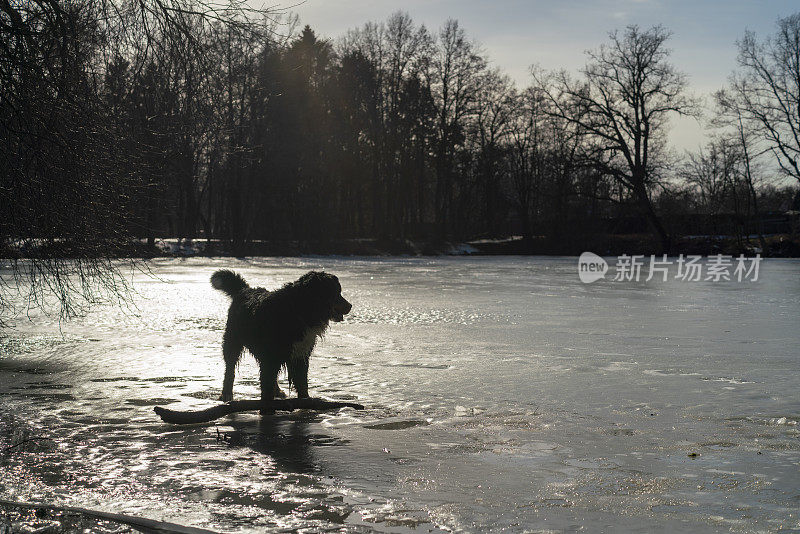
{"x": 555, "y": 34}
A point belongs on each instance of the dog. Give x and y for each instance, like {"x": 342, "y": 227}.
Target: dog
{"x": 280, "y": 328}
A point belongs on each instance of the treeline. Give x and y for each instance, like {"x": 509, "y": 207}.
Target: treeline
{"x": 183, "y": 119}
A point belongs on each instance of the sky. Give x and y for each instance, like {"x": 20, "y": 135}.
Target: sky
{"x": 555, "y": 34}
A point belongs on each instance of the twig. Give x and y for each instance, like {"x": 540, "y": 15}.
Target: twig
{"x": 24, "y": 441}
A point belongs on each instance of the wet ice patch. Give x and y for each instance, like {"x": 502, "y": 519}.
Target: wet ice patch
{"x": 397, "y": 425}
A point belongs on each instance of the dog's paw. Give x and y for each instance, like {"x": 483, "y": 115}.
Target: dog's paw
{"x": 280, "y": 394}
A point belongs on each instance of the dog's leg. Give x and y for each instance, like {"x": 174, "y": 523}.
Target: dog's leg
{"x": 279, "y": 394}
{"x": 298, "y": 375}
{"x": 268, "y": 372}
{"x": 231, "y": 351}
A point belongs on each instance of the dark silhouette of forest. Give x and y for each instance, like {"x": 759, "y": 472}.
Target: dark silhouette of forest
{"x": 171, "y": 118}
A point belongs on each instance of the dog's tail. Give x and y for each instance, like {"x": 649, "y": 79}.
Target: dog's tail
{"x": 229, "y": 282}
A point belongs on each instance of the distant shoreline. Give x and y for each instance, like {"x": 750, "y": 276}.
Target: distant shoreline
{"x": 776, "y": 245}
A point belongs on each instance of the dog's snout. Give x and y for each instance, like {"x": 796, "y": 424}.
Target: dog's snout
{"x": 344, "y": 306}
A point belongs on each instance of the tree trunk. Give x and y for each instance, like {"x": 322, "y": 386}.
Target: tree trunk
{"x": 652, "y": 218}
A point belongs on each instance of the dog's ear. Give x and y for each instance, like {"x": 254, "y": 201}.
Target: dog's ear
{"x": 310, "y": 277}
{"x": 322, "y": 280}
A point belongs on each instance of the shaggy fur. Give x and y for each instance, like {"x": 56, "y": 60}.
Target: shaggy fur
{"x": 280, "y": 328}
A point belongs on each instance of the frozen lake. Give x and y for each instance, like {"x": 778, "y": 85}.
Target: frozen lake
{"x": 501, "y": 393}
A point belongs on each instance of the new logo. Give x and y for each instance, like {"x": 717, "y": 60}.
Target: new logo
{"x": 591, "y": 267}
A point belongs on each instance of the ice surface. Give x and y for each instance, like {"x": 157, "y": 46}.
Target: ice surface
{"x": 502, "y": 393}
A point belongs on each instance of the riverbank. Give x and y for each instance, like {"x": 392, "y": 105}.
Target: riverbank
{"x": 775, "y": 245}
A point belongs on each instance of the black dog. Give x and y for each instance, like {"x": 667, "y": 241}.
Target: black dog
{"x": 280, "y": 328}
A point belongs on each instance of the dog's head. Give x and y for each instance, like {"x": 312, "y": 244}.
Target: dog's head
{"x": 326, "y": 292}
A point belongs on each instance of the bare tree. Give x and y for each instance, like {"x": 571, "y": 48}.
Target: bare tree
{"x": 398, "y": 51}
{"x": 623, "y": 102}
{"x": 765, "y": 91}
{"x": 406, "y": 45}
{"x": 488, "y": 134}
{"x": 731, "y": 117}
{"x": 711, "y": 172}
{"x": 458, "y": 65}
{"x": 723, "y": 178}
{"x": 528, "y": 153}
